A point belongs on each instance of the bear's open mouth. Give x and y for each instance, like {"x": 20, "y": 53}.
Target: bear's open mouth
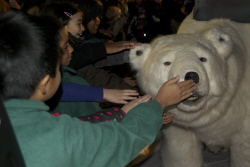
{"x": 192, "y": 98}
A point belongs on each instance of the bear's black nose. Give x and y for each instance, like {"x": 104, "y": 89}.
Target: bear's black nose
{"x": 193, "y": 76}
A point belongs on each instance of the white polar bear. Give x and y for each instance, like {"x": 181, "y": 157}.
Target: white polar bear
{"x": 216, "y": 56}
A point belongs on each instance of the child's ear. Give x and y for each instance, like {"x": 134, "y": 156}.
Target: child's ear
{"x": 42, "y": 84}
{"x": 41, "y": 90}
{"x": 66, "y": 27}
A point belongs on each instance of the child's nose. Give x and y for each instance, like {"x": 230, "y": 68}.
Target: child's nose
{"x": 71, "y": 49}
{"x": 82, "y": 28}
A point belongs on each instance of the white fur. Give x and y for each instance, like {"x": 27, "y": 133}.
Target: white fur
{"x": 221, "y": 116}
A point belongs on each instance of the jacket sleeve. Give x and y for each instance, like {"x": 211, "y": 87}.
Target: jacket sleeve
{"x": 77, "y": 93}
{"x": 87, "y": 53}
{"x": 100, "y": 78}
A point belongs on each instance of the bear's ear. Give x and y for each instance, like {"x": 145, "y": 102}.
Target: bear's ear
{"x": 221, "y": 41}
{"x": 138, "y": 55}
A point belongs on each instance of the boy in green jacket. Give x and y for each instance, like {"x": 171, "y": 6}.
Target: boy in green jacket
{"x": 30, "y": 74}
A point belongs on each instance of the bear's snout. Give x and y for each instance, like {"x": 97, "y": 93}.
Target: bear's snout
{"x": 193, "y": 76}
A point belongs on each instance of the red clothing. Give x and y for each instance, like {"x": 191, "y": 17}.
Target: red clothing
{"x": 115, "y": 114}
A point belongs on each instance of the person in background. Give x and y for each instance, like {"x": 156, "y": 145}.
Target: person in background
{"x": 137, "y": 27}
{"x": 31, "y": 7}
{"x": 158, "y": 19}
{"x": 177, "y": 11}
{"x": 116, "y": 22}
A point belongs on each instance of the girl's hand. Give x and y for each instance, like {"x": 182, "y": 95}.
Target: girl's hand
{"x": 120, "y": 46}
{"x": 127, "y": 107}
{"x": 167, "y": 118}
{"x": 119, "y": 96}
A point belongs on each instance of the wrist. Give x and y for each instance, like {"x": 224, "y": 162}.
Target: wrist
{"x": 162, "y": 102}
{"x": 105, "y": 92}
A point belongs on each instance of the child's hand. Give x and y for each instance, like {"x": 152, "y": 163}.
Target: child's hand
{"x": 172, "y": 92}
{"x": 130, "y": 81}
{"x": 156, "y": 19}
{"x": 167, "y": 118}
{"x": 127, "y": 107}
{"x": 120, "y": 46}
{"x": 107, "y": 32}
{"x": 119, "y": 96}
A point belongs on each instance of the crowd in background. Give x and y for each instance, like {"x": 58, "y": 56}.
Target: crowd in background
{"x": 138, "y": 20}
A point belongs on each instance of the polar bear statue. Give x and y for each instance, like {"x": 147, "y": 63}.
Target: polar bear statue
{"x": 216, "y": 56}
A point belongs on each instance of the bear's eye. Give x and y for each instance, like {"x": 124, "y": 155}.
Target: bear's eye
{"x": 203, "y": 59}
{"x": 138, "y": 53}
{"x": 167, "y": 63}
{"x": 221, "y": 39}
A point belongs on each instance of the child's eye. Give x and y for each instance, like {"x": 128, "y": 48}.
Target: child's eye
{"x": 67, "y": 46}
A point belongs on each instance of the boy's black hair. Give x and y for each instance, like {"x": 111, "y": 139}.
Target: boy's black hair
{"x": 28, "y": 52}
{"x": 59, "y": 10}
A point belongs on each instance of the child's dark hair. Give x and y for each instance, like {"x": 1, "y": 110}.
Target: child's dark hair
{"x": 29, "y": 51}
{"x": 91, "y": 9}
{"x": 27, "y": 4}
{"x": 62, "y": 10}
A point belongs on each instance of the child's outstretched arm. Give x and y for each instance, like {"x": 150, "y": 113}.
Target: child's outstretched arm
{"x": 111, "y": 114}
{"x": 120, "y": 46}
{"x": 173, "y": 92}
{"x": 119, "y": 96}
{"x": 70, "y": 92}
{"x": 105, "y": 115}
{"x": 115, "y": 113}
{"x": 127, "y": 107}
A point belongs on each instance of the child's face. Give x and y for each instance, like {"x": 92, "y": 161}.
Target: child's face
{"x": 75, "y": 27}
{"x": 65, "y": 47}
{"x": 93, "y": 25}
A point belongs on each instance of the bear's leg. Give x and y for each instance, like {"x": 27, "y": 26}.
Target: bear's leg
{"x": 240, "y": 150}
{"x": 180, "y": 148}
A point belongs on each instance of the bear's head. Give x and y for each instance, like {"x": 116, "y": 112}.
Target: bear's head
{"x": 208, "y": 58}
